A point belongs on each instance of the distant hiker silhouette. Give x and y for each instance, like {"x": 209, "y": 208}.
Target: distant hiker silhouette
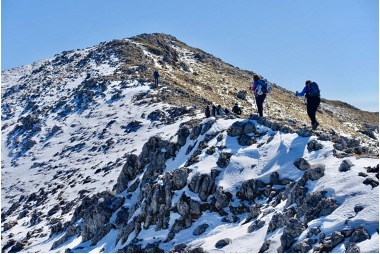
{"x": 156, "y": 75}
{"x": 259, "y": 87}
{"x": 207, "y": 112}
{"x": 213, "y": 110}
{"x": 236, "y": 109}
{"x": 312, "y": 94}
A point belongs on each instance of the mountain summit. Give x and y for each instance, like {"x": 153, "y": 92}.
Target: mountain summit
{"x": 96, "y": 157}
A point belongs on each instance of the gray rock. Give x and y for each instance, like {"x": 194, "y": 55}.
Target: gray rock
{"x": 179, "y": 178}
{"x": 236, "y": 129}
{"x": 200, "y": 229}
{"x": 224, "y": 159}
{"x": 250, "y": 189}
{"x": 223, "y": 242}
{"x": 345, "y": 165}
{"x": 315, "y": 172}
{"x": 249, "y": 127}
{"x": 352, "y": 248}
{"x": 359, "y": 235}
{"x": 182, "y": 134}
{"x": 221, "y": 199}
{"x": 265, "y": 246}
{"x": 255, "y": 226}
{"x": 302, "y": 164}
{"x": 293, "y": 229}
{"x": 314, "y": 145}
{"x": 129, "y": 171}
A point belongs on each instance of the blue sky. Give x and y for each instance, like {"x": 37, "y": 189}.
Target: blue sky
{"x": 332, "y": 42}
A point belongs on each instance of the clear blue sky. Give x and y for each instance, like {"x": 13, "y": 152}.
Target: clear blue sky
{"x": 333, "y": 42}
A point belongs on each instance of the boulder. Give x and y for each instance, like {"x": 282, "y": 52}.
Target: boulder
{"x": 345, "y": 165}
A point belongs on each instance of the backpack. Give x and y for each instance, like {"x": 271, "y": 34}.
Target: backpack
{"x": 263, "y": 87}
{"x": 313, "y": 90}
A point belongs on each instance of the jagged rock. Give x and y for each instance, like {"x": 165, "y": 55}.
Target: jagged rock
{"x": 347, "y": 231}
{"x": 250, "y": 189}
{"x": 302, "y": 247}
{"x": 70, "y": 232}
{"x": 200, "y": 229}
{"x": 352, "y": 248}
{"x": 265, "y": 246}
{"x": 53, "y": 210}
{"x": 56, "y": 228}
{"x": 314, "y": 145}
{"x": 293, "y": 229}
{"x": 179, "y": 178}
{"x": 182, "y": 134}
{"x": 156, "y": 115}
{"x": 345, "y": 165}
{"x": 9, "y": 225}
{"x": 224, "y": 159}
{"x": 236, "y": 129}
{"x": 17, "y": 247}
{"x": 129, "y": 171}
{"x": 279, "y": 219}
{"x": 126, "y": 229}
{"x": 249, "y": 127}
{"x": 336, "y": 238}
{"x": 255, "y": 226}
{"x": 315, "y": 172}
{"x": 178, "y": 225}
{"x": 294, "y": 193}
{"x": 221, "y": 199}
{"x": 302, "y": 164}
{"x": 223, "y": 242}
{"x": 132, "y": 126}
{"x": 9, "y": 243}
{"x": 94, "y": 220}
{"x": 206, "y": 126}
{"x": 359, "y": 235}
{"x": 203, "y": 184}
{"x": 246, "y": 140}
{"x": 154, "y": 154}
{"x": 255, "y": 211}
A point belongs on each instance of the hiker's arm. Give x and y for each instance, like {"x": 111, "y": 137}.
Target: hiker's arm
{"x": 302, "y": 93}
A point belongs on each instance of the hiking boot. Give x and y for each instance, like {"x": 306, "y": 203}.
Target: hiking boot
{"x": 315, "y": 125}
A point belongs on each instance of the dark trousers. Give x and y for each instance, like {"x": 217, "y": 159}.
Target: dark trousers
{"x": 312, "y": 106}
{"x": 259, "y": 102}
{"x": 156, "y": 81}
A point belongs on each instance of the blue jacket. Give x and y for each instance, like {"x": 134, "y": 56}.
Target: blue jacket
{"x": 303, "y": 92}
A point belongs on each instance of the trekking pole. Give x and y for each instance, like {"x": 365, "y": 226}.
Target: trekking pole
{"x": 291, "y": 102}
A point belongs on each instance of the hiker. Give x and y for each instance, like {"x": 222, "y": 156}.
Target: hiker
{"x": 207, "y": 112}
{"x": 219, "y": 110}
{"x": 259, "y": 95}
{"x": 155, "y": 76}
{"x": 226, "y": 111}
{"x": 236, "y": 109}
{"x": 312, "y": 94}
{"x": 213, "y": 110}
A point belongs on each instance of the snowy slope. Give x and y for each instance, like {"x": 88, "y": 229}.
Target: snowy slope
{"x": 70, "y": 126}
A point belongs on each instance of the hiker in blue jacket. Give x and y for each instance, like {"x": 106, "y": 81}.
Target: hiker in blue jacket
{"x": 259, "y": 96}
{"x": 312, "y": 94}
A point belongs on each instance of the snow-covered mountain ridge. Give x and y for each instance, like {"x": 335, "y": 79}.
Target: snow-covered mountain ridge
{"x": 96, "y": 158}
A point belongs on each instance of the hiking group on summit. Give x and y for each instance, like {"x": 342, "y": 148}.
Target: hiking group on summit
{"x": 260, "y": 89}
